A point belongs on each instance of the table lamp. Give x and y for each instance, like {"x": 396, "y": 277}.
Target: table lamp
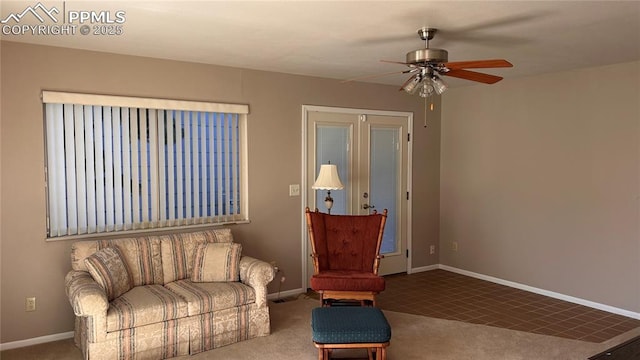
{"x": 328, "y": 179}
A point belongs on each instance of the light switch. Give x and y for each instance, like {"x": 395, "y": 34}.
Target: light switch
{"x": 294, "y": 190}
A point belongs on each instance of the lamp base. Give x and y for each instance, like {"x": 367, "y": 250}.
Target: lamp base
{"x": 328, "y": 202}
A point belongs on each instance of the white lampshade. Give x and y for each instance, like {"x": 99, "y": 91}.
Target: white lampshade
{"x": 328, "y": 178}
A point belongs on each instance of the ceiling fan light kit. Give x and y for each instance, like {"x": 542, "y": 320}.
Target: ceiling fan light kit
{"x": 427, "y": 82}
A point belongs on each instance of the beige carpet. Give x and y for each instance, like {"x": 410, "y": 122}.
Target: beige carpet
{"x": 413, "y": 337}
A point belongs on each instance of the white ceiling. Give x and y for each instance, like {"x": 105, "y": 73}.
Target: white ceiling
{"x": 346, "y": 39}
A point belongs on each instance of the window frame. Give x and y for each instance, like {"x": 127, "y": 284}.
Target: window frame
{"x": 150, "y": 104}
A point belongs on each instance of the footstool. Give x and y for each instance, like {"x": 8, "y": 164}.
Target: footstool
{"x": 350, "y": 327}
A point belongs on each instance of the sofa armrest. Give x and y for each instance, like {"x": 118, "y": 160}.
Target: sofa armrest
{"x": 85, "y": 295}
{"x": 257, "y": 274}
{"x": 89, "y": 302}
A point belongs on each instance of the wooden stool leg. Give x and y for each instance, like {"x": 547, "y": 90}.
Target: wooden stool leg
{"x": 369, "y": 354}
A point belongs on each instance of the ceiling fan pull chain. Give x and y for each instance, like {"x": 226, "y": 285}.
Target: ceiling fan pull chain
{"x": 425, "y": 112}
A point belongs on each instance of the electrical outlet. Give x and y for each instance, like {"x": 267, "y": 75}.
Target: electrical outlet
{"x": 454, "y": 246}
{"x": 282, "y": 279}
{"x": 30, "y": 304}
{"x": 432, "y": 249}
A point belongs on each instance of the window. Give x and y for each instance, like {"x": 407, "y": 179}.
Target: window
{"x": 118, "y": 164}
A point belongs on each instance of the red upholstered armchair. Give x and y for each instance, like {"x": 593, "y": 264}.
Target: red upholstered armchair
{"x": 346, "y": 255}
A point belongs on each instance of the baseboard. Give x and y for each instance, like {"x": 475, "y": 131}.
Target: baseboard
{"x": 423, "y": 268}
{"x": 36, "y": 341}
{"x": 284, "y": 294}
{"x": 548, "y": 293}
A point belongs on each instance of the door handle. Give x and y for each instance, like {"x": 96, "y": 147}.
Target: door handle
{"x": 367, "y": 206}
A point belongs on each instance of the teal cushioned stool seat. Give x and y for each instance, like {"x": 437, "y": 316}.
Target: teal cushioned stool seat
{"x": 350, "y": 327}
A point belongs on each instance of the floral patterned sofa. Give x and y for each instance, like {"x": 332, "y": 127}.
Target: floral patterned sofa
{"x": 158, "y": 297}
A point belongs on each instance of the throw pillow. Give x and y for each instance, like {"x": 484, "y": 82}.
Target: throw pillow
{"x": 216, "y": 262}
{"x": 109, "y": 270}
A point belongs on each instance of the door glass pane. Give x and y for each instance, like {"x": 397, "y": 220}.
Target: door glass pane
{"x": 331, "y": 146}
{"x": 384, "y": 181}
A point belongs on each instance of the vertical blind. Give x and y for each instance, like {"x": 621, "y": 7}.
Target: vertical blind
{"x": 121, "y": 163}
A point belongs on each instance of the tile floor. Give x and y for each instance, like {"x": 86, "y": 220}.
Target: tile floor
{"x": 447, "y": 295}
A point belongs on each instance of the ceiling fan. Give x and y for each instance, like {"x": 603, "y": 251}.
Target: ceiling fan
{"x": 428, "y": 64}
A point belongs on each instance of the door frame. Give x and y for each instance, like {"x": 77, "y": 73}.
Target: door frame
{"x": 305, "y": 180}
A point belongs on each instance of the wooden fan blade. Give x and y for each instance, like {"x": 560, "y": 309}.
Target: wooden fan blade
{"x": 477, "y": 64}
{"x": 473, "y": 76}
{"x": 375, "y": 76}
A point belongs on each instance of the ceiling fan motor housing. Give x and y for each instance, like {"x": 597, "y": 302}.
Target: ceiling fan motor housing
{"x": 431, "y": 56}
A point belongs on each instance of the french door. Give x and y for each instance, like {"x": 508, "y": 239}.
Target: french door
{"x": 371, "y": 151}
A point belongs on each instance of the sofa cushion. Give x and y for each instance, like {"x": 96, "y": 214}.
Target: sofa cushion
{"x": 178, "y": 251}
{"x": 144, "y": 305}
{"x": 212, "y": 296}
{"x": 109, "y": 270}
{"x": 216, "y": 262}
{"x": 141, "y": 254}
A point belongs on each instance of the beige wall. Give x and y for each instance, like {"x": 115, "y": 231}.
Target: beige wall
{"x": 540, "y": 176}
{"x": 540, "y": 182}
{"x": 32, "y": 267}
